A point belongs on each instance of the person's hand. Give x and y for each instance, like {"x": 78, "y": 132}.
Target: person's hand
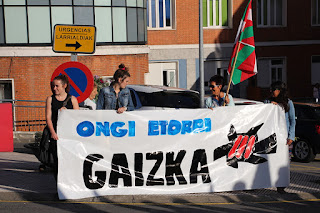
{"x": 273, "y": 102}
{"x": 54, "y": 136}
{"x": 289, "y": 142}
{"x": 62, "y": 108}
{"x": 227, "y": 99}
{"x": 121, "y": 110}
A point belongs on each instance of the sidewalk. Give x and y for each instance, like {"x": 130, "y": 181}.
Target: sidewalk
{"x": 20, "y": 180}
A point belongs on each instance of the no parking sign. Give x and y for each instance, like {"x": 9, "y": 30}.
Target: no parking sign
{"x": 80, "y": 78}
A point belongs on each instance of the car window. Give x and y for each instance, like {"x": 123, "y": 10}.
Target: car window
{"x": 307, "y": 112}
{"x": 170, "y": 99}
{"x": 317, "y": 111}
{"x": 133, "y": 97}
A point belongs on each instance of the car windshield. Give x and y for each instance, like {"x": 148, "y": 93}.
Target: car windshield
{"x": 170, "y": 99}
{"x": 317, "y": 111}
{"x": 307, "y": 112}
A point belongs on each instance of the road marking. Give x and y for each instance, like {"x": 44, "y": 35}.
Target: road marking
{"x": 160, "y": 204}
{"x": 310, "y": 167}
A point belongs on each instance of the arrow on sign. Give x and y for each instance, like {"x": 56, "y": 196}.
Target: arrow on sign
{"x": 76, "y": 45}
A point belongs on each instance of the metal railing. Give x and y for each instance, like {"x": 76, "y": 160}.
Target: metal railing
{"x": 28, "y": 115}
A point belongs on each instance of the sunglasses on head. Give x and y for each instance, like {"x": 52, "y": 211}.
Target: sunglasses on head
{"x": 213, "y": 86}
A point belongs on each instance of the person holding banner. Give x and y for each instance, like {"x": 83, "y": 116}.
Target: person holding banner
{"x": 117, "y": 95}
{"x": 218, "y": 97}
{"x": 59, "y": 100}
{"x": 279, "y": 96}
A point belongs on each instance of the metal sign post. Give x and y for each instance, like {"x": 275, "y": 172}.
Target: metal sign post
{"x": 74, "y": 57}
{"x": 201, "y": 63}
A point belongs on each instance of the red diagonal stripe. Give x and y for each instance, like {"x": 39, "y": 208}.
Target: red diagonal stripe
{"x": 249, "y": 41}
{"x": 232, "y": 151}
{"x": 242, "y": 147}
{"x": 73, "y": 84}
{"x": 249, "y": 148}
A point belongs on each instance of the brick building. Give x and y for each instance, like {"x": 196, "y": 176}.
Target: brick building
{"x": 158, "y": 41}
{"x": 287, "y": 36}
{"x": 27, "y": 60}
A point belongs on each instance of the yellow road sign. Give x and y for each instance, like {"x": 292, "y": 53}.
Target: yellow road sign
{"x": 74, "y": 39}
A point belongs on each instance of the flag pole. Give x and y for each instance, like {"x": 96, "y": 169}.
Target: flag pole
{"x": 232, "y": 70}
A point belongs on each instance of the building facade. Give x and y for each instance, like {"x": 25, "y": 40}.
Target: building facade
{"x": 287, "y": 38}
{"x": 159, "y": 41}
{"x": 27, "y": 60}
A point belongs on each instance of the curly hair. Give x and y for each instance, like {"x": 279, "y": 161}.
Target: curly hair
{"x": 218, "y": 79}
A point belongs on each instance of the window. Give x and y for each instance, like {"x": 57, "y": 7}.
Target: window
{"x": 271, "y": 13}
{"x": 160, "y": 14}
{"x": 315, "y": 70}
{"x": 215, "y": 67}
{"x": 271, "y": 70}
{"x": 6, "y": 89}
{"x": 171, "y": 99}
{"x": 217, "y": 13}
{"x": 315, "y": 7}
{"x": 276, "y": 70}
{"x": 169, "y": 78}
{"x": 162, "y": 73}
{"x": 31, "y": 22}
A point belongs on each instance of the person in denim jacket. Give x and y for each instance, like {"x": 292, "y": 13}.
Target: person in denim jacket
{"x": 117, "y": 95}
{"x": 279, "y": 96}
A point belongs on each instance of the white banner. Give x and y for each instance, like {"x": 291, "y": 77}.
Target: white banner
{"x": 171, "y": 151}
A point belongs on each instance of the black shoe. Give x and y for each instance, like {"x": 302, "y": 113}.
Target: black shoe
{"x": 281, "y": 190}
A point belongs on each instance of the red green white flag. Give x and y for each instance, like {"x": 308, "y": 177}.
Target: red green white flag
{"x": 244, "y": 50}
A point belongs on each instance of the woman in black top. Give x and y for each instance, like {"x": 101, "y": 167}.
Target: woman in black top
{"x": 59, "y": 100}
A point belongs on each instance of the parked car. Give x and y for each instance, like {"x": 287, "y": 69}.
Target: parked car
{"x": 242, "y": 101}
{"x": 304, "y": 100}
{"x": 307, "y": 143}
{"x": 150, "y": 97}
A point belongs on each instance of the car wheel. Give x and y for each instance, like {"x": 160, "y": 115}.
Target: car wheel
{"x": 302, "y": 151}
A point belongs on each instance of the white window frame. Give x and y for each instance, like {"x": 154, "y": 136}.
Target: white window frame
{"x": 317, "y": 13}
{"x": 283, "y": 14}
{"x": 9, "y": 80}
{"x": 172, "y": 82}
{"x": 264, "y": 79}
{"x": 172, "y": 15}
{"x": 220, "y": 15}
{"x": 277, "y": 67}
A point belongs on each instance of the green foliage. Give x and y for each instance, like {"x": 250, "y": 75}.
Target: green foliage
{"x": 101, "y": 83}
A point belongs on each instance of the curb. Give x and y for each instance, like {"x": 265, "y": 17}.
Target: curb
{"x": 183, "y": 199}
{"x": 23, "y": 137}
